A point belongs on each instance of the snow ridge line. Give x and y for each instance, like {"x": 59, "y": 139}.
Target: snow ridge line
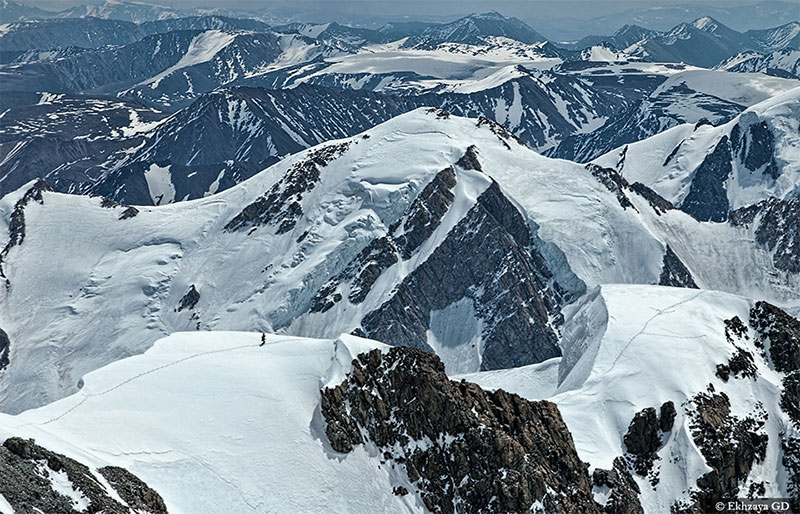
{"x": 659, "y": 312}
{"x": 140, "y": 375}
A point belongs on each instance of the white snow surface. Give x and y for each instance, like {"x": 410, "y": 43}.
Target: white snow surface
{"x": 742, "y": 88}
{"x": 216, "y": 423}
{"x": 454, "y": 67}
{"x": 159, "y": 183}
{"x": 94, "y": 289}
{"x": 629, "y": 347}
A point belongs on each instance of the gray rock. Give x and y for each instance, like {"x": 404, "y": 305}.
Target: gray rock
{"x": 486, "y": 452}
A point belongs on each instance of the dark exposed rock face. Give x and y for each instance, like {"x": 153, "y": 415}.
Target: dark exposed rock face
{"x": 500, "y": 272}
{"x": 624, "y": 495}
{"x": 363, "y": 270}
{"x": 729, "y": 444}
{"x": 470, "y": 160}
{"x": 426, "y": 212}
{"x": 16, "y": 226}
{"x": 707, "y": 199}
{"x": 613, "y": 181}
{"x": 5, "y": 350}
{"x": 791, "y": 461}
{"x": 659, "y": 204}
{"x": 190, "y": 299}
{"x": 502, "y": 133}
{"x": 643, "y": 440}
{"x": 781, "y": 332}
{"x": 24, "y": 483}
{"x": 778, "y": 229}
{"x": 741, "y": 364}
{"x": 674, "y": 272}
{"x": 128, "y": 213}
{"x": 487, "y": 452}
{"x": 758, "y": 150}
{"x": 666, "y": 417}
{"x": 134, "y": 492}
{"x": 281, "y": 204}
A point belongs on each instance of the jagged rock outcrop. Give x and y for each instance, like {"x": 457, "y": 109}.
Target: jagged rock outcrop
{"x": 28, "y": 472}
{"x": 645, "y": 436}
{"x": 730, "y": 445}
{"x": 781, "y": 333}
{"x": 659, "y": 204}
{"x": 741, "y": 364}
{"x": 461, "y": 448}
{"x": 138, "y": 495}
{"x": 417, "y": 224}
{"x": 642, "y": 439}
{"x": 5, "y": 349}
{"x": 281, "y": 204}
{"x": 16, "y": 226}
{"x": 756, "y": 148}
{"x": 777, "y": 228}
{"x": 666, "y": 418}
{"x": 189, "y": 300}
{"x": 613, "y": 181}
{"x": 500, "y": 273}
{"x": 707, "y": 199}
{"x": 674, "y": 272}
{"x": 791, "y": 461}
{"x": 623, "y": 496}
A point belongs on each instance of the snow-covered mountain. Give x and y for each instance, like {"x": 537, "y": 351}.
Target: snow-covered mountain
{"x": 363, "y": 427}
{"x": 778, "y": 38}
{"x": 705, "y": 42}
{"x": 780, "y": 63}
{"x": 135, "y": 12}
{"x": 473, "y": 29}
{"x": 357, "y": 235}
{"x": 85, "y": 33}
{"x": 710, "y": 171}
{"x": 690, "y": 96}
{"x": 227, "y": 135}
{"x": 67, "y": 139}
{"x": 89, "y": 33}
{"x": 15, "y": 11}
{"x": 716, "y": 418}
{"x": 169, "y": 68}
{"x": 739, "y": 16}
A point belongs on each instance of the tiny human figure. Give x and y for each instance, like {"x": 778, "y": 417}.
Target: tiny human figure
{"x": 263, "y": 339}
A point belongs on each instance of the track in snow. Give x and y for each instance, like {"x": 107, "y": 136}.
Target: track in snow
{"x": 144, "y": 373}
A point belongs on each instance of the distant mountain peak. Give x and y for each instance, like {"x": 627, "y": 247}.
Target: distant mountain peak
{"x": 488, "y": 15}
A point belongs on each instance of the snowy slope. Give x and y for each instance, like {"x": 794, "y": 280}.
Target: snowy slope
{"x": 628, "y": 348}
{"x": 763, "y": 157}
{"x": 280, "y": 252}
{"x": 216, "y": 423}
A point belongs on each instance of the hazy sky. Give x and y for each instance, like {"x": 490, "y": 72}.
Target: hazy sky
{"x": 424, "y": 8}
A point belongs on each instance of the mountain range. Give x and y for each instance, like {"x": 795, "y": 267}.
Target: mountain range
{"x": 253, "y": 262}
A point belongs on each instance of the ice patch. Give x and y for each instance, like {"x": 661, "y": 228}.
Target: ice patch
{"x": 452, "y": 335}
